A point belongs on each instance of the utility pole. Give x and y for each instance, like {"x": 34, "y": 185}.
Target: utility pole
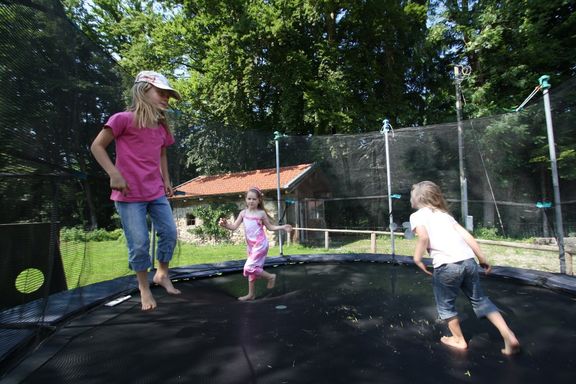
{"x": 459, "y": 74}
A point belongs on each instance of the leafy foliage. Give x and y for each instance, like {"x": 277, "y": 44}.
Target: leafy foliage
{"x": 247, "y": 68}
{"x": 488, "y": 233}
{"x": 210, "y": 214}
{"x": 57, "y": 89}
{"x": 324, "y": 67}
{"x": 75, "y": 234}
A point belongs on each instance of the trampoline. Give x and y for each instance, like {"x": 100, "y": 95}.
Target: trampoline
{"x": 330, "y": 319}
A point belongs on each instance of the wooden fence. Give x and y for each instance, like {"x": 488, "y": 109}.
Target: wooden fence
{"x": 373, "y": 248}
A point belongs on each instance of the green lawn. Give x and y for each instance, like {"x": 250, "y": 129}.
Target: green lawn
{"x": 87, "y": 263}
{"x": 92, "y": 262}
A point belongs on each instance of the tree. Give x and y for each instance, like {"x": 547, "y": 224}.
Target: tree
{"x": 508, "y": 44}
{"x": 57, "y": 89}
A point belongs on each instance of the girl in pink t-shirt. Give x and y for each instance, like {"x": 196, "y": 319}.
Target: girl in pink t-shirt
{"x": 139, "y": 178}
{"x": 255, "y": 218}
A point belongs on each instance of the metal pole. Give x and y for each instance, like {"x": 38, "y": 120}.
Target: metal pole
{"x": 277, "y": 137}
{"x": 555, "y": 183}
{"x": 458, "y": 76}
{"x": 385, "y": 128}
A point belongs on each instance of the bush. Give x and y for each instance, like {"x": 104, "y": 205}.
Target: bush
{"x": 487, "y": 233}
{"x": 72, "y": 234}
{"x": 210, "y": 215}
{"x": 103, "y": 235}
{"x": 80, "y": 235}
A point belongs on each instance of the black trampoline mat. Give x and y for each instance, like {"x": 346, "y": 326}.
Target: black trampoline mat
{"x": 322, "y": 323}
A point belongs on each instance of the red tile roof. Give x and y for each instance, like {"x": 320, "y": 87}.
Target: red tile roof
{"x": 240, "y": 182}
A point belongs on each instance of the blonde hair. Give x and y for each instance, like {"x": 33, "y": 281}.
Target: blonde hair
{"x": 260, "y": 197}
{"x": 428, "y": 194}
{"x": 145, "y": 114}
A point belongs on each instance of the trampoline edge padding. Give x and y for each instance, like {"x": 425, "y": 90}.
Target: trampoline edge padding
{"x": 553, "y": 281}
{"x": 20, "y": 325}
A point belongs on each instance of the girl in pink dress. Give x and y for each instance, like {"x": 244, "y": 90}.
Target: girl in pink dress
{"x": 255, "y": 218}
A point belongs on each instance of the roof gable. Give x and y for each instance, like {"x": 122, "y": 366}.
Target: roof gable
{"x": 240, "y": 182}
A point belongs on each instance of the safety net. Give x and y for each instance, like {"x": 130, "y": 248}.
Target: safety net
{"x": 347, "y": 193}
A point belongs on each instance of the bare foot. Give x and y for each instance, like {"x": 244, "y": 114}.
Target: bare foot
{"x": 165, "y": 282}
{"x": 246, "y": 298}
{"x": 148, "y": 302}
{"x": 511, "y": 345}
{"x": 271, "y": 281}
{"x": 453, "y": 342}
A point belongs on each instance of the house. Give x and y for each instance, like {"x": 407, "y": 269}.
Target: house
{"x": 302, "y": 188}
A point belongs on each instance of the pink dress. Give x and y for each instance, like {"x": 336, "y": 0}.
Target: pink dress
{"x": 257, "y": 246}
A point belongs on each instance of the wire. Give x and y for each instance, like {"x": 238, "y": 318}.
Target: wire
{"x": 534, "y": 92}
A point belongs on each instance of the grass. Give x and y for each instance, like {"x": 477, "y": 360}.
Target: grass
{"x": 546, "y": 261}
{"x": 91, "y": 262}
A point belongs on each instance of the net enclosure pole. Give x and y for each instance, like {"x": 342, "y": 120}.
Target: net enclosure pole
{"x": 277, "y": 136}
{"x": 545, "y": 85}
{"x": 459, "y": 74}
{"x": 385, "y": 129}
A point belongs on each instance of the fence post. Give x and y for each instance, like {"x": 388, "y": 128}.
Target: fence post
{"x": 326, "y": 240}
{"x": 569, "y": 265}
{"x": 373, "y": 242}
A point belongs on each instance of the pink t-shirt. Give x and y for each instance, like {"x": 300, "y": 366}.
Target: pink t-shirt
{"x": 138, "y": 157}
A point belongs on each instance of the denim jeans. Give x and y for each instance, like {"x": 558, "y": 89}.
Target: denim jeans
{"x": 450, "y": 279}
{"x": 133, "y": 217}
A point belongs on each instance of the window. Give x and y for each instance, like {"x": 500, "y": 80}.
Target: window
{"x": 190, "y": 219}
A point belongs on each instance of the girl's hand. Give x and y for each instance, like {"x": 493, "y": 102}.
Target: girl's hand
{"x": 287, "y": 227}
{"x": 118, "y": 183}
{"x": 223, "y": 223}
{"x": 486, "y": 267}
{"x": 424, "y": 268}
{"x": 168, "y": 190}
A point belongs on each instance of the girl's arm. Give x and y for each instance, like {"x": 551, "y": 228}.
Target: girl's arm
{"x": 421, "y": 247}
{"x": 165, "y": 175}
{"x": 224, "y": 223}
{"x": 98, "y": 148}
{"x": 271, "y": 227}
{"x": 472, "y": 243}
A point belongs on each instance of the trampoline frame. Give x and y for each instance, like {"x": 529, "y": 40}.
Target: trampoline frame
{"x": 64, "y": 306}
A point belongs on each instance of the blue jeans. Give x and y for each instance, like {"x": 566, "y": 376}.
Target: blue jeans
{"x": 450, "y": 279}
{"x": 133, "y": 217}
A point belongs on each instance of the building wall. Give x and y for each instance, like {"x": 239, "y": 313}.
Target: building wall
{"x": 295, "y": 206}
{"x": 181, "y": 209}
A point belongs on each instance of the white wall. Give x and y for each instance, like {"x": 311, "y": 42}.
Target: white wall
{"x": 179, "y": 214}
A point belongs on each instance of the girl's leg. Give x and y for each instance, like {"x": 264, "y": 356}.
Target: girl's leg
{"x": 148, "y": 302}
{"x": 511, "y": 343}
{"x": 457, "y": 339}
{"x": 483, "y": 307}
{"x": 163, "y": 221}
{"x": 271, "y": 277}
{"x": 251, "y": 293}
{"x": 446, "y": 282}
{"x": 162, "y": 278}
{"x": 481, "y": 304}
{"x": 133, "y": 218}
